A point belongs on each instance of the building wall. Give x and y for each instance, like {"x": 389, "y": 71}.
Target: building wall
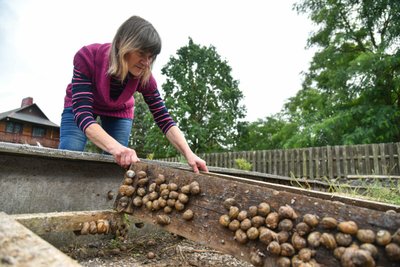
{"x": 51, "y": 138}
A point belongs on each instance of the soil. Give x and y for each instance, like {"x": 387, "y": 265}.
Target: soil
{"x": 159, "y": 249}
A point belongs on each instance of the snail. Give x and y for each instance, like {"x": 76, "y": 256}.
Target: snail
{"x": 242, "y": 215}
{"x": 128, "y": 181}
{"x": 85, "y": 228}
{"x": 393, "y": 251}
{"x": 328, "y": 223}
{"x": 183, "y": 198}
{"x": 241, "y": 236}
{"x": 167, "y": 209}
{"x": 348, "y": 227}
{"x": 173, "y": 194}
{"x": 266, "y": 235}
{"x": 282, "y": 236}
{"x": 343, "y": 239}
{"x": 314, "y": 239}
{"x": 141, "y": 191}
{"x": 328, "y": 240}
{"x": 130, "y": 173}
{"x": 224, "y": 220}
{"x": 302, "y": 228}
{"x": 305, "y": 254}
{"x": 263, "y": 209}
{"x": 188, "y": 215}
{"x": 172, "y": 187}
{"x": 160, "y": 179}
{"x": 274, "y": 248}
{"x": 383, "y": 237}
{"x": 186, "y": 189}
{"x": 164, "y": 193}
{"x": 163, "y": 219}
{"x": 356, "y": 257}
{"x": 194, "y": 188}
{"x": 227, "y": 202}
{"x": 179, "y": 205}
{"x": 366, "y": 235}
{"x": 252, "y": 233}
{"x": 252, "y": 211}
{"x": 93, "y": 227}
{"x": 152, "y": 187}
{"x": 311, "y": 220}
{"x": 298, "y": 242}
{"x": 234, "y": 225}
{"x": 233, "y": 212}
{"x": 283, "y": 262}
{"x": 141, "y": 174}
{"x": 287, "y": 212}
{"x": 153, "y": 195}
{"x": 338, "y": 252}
{"x": 256, "y": 259}
{"x": 272, "y": 220}
{"x": 396, "y": 237}
{"x": 285, "y": 225}
{"x": 287, "y": 250}
{"x": 372, "y": 249}
{"x": 257, "y": 221}
{"x": 245, "y": 224}
{"x": 143, "y": 181}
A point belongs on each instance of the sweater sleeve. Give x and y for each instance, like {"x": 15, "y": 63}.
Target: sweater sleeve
{"x": 82, "y": 100}
{"x": 157, "y": 107}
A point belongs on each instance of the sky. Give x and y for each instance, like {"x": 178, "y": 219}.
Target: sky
{"x": 264, "y": 42}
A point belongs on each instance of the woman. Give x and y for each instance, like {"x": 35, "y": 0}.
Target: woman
{"x": 105, "y": 77}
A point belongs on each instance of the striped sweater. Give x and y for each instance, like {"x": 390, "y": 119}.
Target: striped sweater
{"x": 92, "y": 92}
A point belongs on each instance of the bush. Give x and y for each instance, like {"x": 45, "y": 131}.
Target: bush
{"x": 243, "y": 164}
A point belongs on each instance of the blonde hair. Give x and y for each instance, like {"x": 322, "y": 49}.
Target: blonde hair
{"x": 135, "y": 34}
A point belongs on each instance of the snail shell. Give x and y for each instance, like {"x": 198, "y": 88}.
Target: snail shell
{"x": 252, "y": 211}
{"x": 393, "y": 251}
{"x": 227, "y": 202}
{"x": 93, "y": 227}
{"x": 287, "y": 250}
{"x": 160, "y": 179}
{"x": 287, "y": 212}
{"x": 163, "y": 219}
{"x": 298, "y": 242}
{"x": 305, "y": 254}
{"x": 338, "y": 252}
{"x": 233, "y": 212}
{"x": 314, "y": 239}
{"x": 172, "y": 187}
{"x": 283, "y": 262}
{"x": 173, "y": 194}
{"x": 130, "y": 173}
{"x": 348, "y": 227}
{"x": 234, "y": 225}
{"x": 285, "y": 225}
{"x": 179, "y": 206}
{"x": 143, "y": 181}
{"x": 343, "y": 239}
{"x": 242, "y": 215}
{"x": 328, "y": 223}
{"x": 272, "y": 220}
{"x": 267, "y": 235}
{"x": 366, "y": 235}
{"x": 194, "y": 188}
{"x": 241, "y": 236}
{"x": 282, "y": 236}
{"x": 256, "y": 259}
{"x": 188, "y": 215}
{"x": 245, "y": 224}
{"x": 183, "y": 198}
{"x": 85, "y": 228}
{"x": 128, "y": 181}
{"x": 274, "y": 248}
{"x": 372, "y": 249}
{"x": 167, "y": 209}
{"x": 257, "y": 221}
{"x": 186, "y": 189}
{"x": 302, "y": 228}
{"x": 252, "y": 233}
{"x": 383, "y": 237}
{"x": 311, "y": 220}
{"x": 224, "y": 220}
{"x": 263, "y": 209}
{"x": 396, "y": 237}
{"x": 328, "y": 240}
{"x": 141, "y": 174}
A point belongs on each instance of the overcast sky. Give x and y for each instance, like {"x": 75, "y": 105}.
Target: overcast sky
{"x": 263, "y": 41}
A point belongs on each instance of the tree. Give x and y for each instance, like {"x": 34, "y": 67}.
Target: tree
{"x": 203, "y": 97}
{"x": 351, "y": 91}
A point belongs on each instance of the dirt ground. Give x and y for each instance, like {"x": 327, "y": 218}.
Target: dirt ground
{"x": 159, "y": 249}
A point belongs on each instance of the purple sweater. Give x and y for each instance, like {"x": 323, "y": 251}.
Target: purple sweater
{"x": 92, "y": 92}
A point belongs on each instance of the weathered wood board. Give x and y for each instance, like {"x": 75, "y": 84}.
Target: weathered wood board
{"x": 57, "y": 222}
{"x": 208, "y": 207}
{"x": 19, "y": 246}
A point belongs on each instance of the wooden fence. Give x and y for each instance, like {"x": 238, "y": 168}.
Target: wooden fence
{"x": 316, "y": 162}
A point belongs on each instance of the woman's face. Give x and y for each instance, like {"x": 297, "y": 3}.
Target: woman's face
{"x": 139, "y": 62}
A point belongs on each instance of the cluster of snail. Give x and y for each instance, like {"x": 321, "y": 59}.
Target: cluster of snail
{"x": 139, "y": 190}
{"x": 294, "y": 240}
{"x": 104, "y": 226}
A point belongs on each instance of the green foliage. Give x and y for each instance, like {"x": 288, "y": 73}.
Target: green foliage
{"x": 203, "y": 97}
{"x": 351, "y": 91}
{"x": 243, "y": 164}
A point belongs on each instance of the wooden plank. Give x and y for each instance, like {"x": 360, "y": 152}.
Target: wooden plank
{"x": 208, "y": 207}
{"x": 311, "y": 163}
{"x": 367, "y": 160}
{"x": 57, "y": 222}
{"x": 345, "y": 159}
{"x": 330, "y": 161}
{"x": 383, "y": 164}
{"x": 19, "y": 246}
{"x": 392, "y": 165}
{"x": 375, "y": 152}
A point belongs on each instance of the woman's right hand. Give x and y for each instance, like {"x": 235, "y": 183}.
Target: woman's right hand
{"x": 124, "y": 156}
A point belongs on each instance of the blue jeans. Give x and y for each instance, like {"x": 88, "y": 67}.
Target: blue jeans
{"x": 72, "y": 138}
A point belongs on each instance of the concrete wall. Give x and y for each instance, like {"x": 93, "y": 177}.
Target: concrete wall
{"x": 34, "y": 180}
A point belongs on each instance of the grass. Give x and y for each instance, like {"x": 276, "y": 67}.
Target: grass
{"x": 380, "y": 190}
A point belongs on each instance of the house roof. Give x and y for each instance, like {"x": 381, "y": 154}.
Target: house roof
{"x": 21, "y": 115}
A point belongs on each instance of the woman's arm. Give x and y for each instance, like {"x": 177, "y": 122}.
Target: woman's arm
{"x": 176, "y": 138}
{"x": 124, "y": 156}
